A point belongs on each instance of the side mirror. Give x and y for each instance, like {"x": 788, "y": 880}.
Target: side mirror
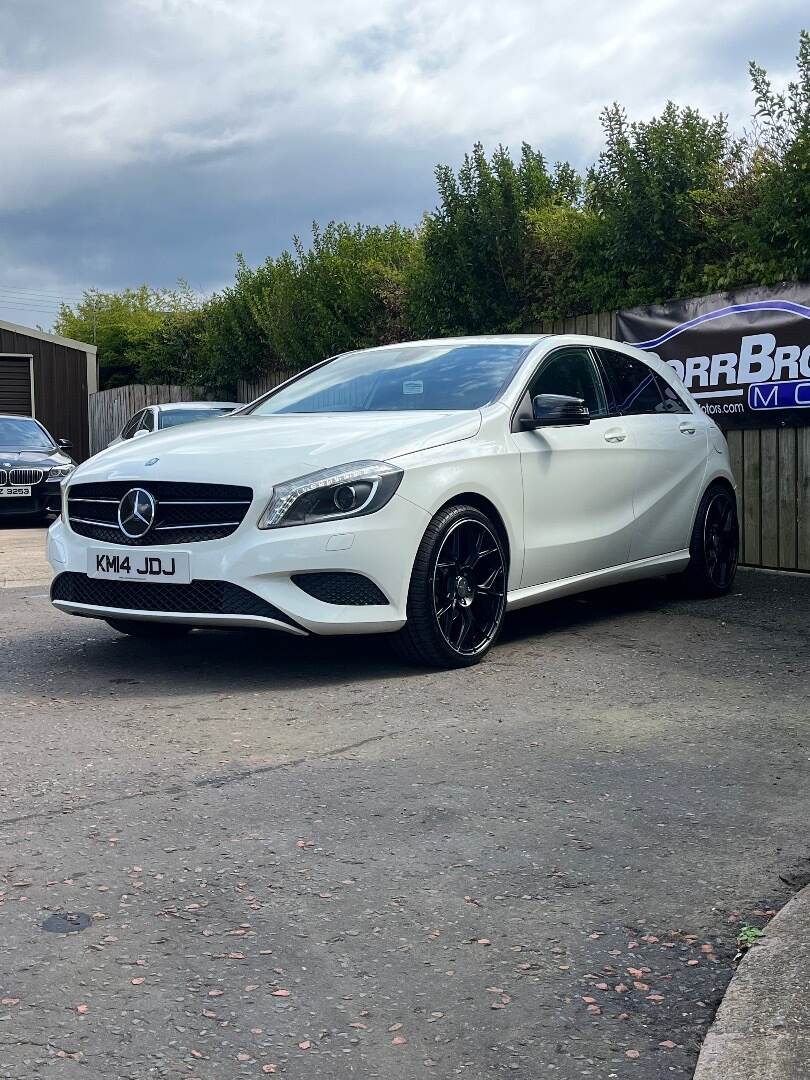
{"x": 65, "y": 444}
{"x": 557, "y": 410}
{"x": 139, "y": 434}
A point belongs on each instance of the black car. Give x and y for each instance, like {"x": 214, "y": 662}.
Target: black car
{"x": 32, "y": 465}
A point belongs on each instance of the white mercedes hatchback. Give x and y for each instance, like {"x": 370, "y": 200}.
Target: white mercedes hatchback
{"x": 420, "y": 490}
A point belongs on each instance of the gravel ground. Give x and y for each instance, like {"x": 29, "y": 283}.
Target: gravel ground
{"x": 302, "y": 858}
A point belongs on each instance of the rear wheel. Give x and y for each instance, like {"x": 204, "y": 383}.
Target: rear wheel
{"x": 457, "y": 594}
{"x": 142, "y": 629}
{"x": 714, "y": 548}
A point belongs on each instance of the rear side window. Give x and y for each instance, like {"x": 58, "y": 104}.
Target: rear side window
{"x": 672, "y": 400}
{"x": 637, "y": 389}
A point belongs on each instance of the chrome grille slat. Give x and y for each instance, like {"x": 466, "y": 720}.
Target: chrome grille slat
{"x": 3, "y": 477}
{"x": 199, "y": 525}
{"x": 78, "y": 498}
{"x": 89, "y": 521}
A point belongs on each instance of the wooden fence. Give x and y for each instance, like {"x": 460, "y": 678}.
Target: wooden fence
{"x": 109, "y": 410}
{"x": 249, "y": 389}
{"x": 772, "y": 469}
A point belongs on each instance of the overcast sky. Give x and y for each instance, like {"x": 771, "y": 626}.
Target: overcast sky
{"x": 148, "y": 140}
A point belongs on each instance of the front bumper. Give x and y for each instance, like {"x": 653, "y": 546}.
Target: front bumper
{"x": 44, "y": 497}
{"x": 381, "y": 547}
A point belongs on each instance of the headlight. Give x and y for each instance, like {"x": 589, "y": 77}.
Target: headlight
{"x": 59, "y": 472}
{"x": 361, "y": 487}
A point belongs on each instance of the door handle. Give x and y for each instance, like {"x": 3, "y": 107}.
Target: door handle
{"x": 615, "y": 435}
{"x": 687, "y": 428}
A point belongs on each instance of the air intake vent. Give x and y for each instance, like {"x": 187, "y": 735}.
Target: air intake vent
{"x": 198, "y": 598}
{"x": 348, "y": 590}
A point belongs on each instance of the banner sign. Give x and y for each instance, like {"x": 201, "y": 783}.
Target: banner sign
{"x": 744, "y": 356}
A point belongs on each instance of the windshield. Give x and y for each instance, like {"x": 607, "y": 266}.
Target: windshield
{"x": 23, "y": 434}
{"x": 412, "y": 377}
{"x": 173, "y": 417}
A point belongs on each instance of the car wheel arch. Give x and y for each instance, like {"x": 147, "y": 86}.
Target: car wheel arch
{"x": 719, "y": 481}
{"x": 486, "y": 506}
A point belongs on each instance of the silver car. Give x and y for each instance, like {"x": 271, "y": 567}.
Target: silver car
{"x": 161, "y": 417}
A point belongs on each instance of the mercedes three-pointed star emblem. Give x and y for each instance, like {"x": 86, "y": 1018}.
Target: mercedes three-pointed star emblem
{"x": 136, "y": 513}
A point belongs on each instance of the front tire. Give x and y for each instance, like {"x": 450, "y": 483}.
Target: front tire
{"x": 715, "y": 544}
{"x": 153, "y": 630}
{"x": 457, "y": 595}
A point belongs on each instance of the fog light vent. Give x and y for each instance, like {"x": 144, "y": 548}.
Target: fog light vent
{"x": 334, "y": 587}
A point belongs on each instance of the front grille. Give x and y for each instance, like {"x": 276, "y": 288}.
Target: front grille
{"x": 334, "y": 587}
{"x": 26, "y": 477}
{"x": 186, "y": 513}
{"x": 198, "y": 598}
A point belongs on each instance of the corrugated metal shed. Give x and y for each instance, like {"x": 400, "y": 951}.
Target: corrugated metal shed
{"x": 51, "y": 378}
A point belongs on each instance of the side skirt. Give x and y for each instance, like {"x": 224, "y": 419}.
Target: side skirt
{"x": 613, "y": 575}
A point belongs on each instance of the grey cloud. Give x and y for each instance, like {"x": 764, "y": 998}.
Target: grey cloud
{"x": 159, "y": 137}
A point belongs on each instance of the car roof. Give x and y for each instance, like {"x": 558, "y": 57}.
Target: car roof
{"x": 474, "y": 339}
{"x": 191, "y": 405}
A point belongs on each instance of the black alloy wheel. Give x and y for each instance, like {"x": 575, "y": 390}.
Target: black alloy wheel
{"x": 457, "y": 597}
{"x": 469, "y": 586}
{"x": 720, "y": 539}
{"x": 715, "y": 543}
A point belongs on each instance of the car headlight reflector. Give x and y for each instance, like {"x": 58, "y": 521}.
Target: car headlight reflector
{"x": 353, "y": 490}
{"x": 59, "y": 472}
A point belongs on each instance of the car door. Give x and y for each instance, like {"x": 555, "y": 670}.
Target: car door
{"x": 669, "y": 448}
{"x": 577, "y": 481}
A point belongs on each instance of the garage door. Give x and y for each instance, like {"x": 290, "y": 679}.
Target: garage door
{"x": 15, "y": 385}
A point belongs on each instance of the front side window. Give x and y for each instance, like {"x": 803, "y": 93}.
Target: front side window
{"x": 132, "y": 425}
{"x": 573, "y": 373}
{"x": 635, "y": 386}
{"x": 148, "y": 421}
{"x": 443, "y": 377}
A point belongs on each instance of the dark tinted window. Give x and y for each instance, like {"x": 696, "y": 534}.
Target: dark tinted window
{"x": 571, "y": 372}
{"x": 413, "y": 377}
{"x": 132, "y": 425}
{"x": 148, "y": 421}
{"x": 672, "y": 402}
{"x": 635, "y": 386}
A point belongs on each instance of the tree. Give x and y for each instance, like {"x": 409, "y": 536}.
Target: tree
{"x": 126, "y": 327}
{"x": 346, "y": 291}
{"x": 782, "y": 221}
{"x": 649, "y": 190}
{"x": 471, "y": 274}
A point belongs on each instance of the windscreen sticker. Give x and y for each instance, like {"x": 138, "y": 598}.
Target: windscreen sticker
{"x": 413, "y": 386}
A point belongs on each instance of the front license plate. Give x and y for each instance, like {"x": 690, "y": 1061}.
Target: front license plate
{"x": 174, "y": 567}
{"x": 14, "y": 492}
